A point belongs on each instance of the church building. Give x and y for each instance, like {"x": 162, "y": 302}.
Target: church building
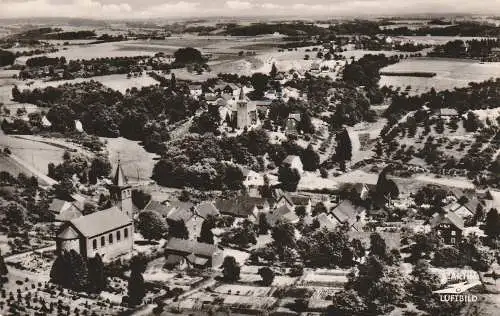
{"x": 109, "y": 232}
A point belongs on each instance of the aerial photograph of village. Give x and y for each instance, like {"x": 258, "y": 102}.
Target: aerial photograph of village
{"x": 336, "y": 158}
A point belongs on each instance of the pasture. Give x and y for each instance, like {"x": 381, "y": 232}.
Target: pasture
{"x": 450, "y": 74}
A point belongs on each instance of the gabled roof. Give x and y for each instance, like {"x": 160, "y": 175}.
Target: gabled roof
{"x": 345, "y": 212}
{"x": 206, "y": 209}
{"x": 447, "y": 218}
{"x": 326, "y": 221}
{"x": 100, "y": 222}
{"x": 448, "y": 112}
{"x": 241, "y": 206}
{"x": 290, "y": 159}
{"x": 68, "y": 214}
{"x": 180, "y": 211}
{"x": 187, "y": 246}
{"x": 294, "y": 116}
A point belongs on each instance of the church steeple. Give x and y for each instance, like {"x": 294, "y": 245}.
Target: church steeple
{"x": 119, "y": 179}
{"x": 121, "y": 191}
{"x": 242, "y": 94}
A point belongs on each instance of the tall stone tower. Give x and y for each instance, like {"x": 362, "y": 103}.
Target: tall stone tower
{"x": 121, "y": 192}
{"x": 242, "y": 109}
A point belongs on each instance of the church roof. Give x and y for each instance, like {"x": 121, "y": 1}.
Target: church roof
{"x": 119, "y": 179}
{"x": 68, "y": 234}
{"x": 100, "y": 222}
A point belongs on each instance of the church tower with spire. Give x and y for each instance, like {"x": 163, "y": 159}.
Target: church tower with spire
{"x": 242, "y": 119}
{"x": 121, "y": 192}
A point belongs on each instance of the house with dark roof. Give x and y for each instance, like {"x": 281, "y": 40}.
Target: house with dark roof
{"x": 194, "y": 253}
{"x": 243, "y": 206}
{"x": 176, "y": 211}
{"x": 294, "y": 200}
{"x": 108, "y": 233}
{"x": 448, "y": 226}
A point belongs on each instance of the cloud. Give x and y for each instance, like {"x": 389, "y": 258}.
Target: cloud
{"x": 116, "y": 9}
{"x": 239, "y": 5}
{"x": 171, "y": 9}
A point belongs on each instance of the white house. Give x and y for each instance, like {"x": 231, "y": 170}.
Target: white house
{"x": 294, "y": 162}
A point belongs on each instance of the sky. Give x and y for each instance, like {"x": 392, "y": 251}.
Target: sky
{"x": 146, "y": 9}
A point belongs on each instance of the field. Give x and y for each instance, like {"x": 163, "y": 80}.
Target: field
{"x": 36, "y": 154}
{"x": 136, "y": 161}
{"x": 451, "y": 73}
{"x": 115, "y": 82}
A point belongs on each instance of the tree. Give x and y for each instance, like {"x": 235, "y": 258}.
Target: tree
{"x": 305, "y": 124}
{"x": 259, "y": 82}
{"x": 492, "y": 223}
{"x": 3, "y": 266}
{"x": 178, "y": 229}
{"x": 151, "y": 225}
{"x": 310, "y": 159}
{"x": 385, "y": 188}
{"x": 206, "y": 235}
{"x": 379, "y": 285}
{"x": 188, "y": 55}
{"x": 6, "y": 58}
{"x": 343, "y": 151}
{"x": 263, "y": 224}
{"x": 318, "y": 209}
{"x": 230, "y": 269}
{"x": 140, "y": 198}
{"x": 423, "y": 282}
{"x": 347, "y": 303}
{"x": 274, "y": 71}
{"x": 267, "y": 276}
{"x": 64, "y": 189}
{"x": 136, "y": 287}
{"x": 100, "y": 167}
{"x": 289, "y": 178}
{"x": 378, "y": 246}
{"x": 97, "y": 277}
{"x": 471, "y": 123}
{"x": 15, "y": 214}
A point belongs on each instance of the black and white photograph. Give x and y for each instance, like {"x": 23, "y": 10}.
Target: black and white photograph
{"x": 250, "y": 158}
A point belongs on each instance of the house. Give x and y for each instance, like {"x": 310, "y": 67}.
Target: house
{"x": 243, "y": 206}
{"x": 195, "y": 254}
{"x": 282, "y": 214}
{"x": 108, "y": 233}
{"x": 177, "y": 211}
{"x": 79, "y": 126}
{"x": 294, "y": 162}
{"x": 449, "y": 227}
{"x": 315, "y": 67}
{"x": 45, "y": 122}
{"x": 64, "y": 210}
{"x": 271, "y": 94}
{"x": 345, "y": 213}
{"x": 294, "y": 200}
{"x": 292, "y": 123}
{"x": 252, "y": 179}
{"x": 461, "y": 210}
{"x": 447, "y": 112}
{"x": 326, "y": 221}
{"x": 195, "y": 90}
{"x": 206, "y": 209}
